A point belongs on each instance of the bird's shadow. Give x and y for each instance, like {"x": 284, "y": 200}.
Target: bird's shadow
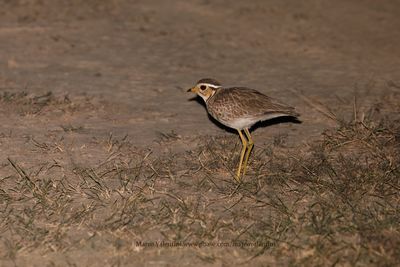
{"x": 278, "y": 120}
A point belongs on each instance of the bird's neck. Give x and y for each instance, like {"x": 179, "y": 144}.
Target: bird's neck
{"x": 212, "y": 94}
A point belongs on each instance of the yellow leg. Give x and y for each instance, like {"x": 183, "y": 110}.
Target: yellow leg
{"x": 250, "y": 145}
{"x": 244, "y": 147}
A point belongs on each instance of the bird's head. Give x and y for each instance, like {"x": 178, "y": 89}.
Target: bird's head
{"x": 205, "y": 88}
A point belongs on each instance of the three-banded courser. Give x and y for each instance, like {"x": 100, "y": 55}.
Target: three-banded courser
{"x": 240, "y": 108}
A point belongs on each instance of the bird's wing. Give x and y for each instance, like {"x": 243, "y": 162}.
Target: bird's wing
{"x": 257, "y": 104}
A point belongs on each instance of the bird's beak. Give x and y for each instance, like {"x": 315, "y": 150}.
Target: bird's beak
{"x": 193, "y": 89}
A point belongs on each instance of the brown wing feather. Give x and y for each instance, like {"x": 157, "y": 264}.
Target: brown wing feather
{"x": 242, "y": 101}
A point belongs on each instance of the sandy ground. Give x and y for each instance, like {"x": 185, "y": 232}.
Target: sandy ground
{"x": 137, "y": 57}
{"x": 120, "y": 68}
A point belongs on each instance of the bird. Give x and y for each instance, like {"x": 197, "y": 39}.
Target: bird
{"x": 240, "y": 108}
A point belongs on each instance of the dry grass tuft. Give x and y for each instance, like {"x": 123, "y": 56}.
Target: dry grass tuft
{"x": 24, "y": 103}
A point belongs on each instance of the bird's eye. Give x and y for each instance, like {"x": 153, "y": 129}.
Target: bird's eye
{"x": 203, "y": 87}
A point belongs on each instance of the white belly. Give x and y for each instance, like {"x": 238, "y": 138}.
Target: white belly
{"x": 242, "y": 123}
